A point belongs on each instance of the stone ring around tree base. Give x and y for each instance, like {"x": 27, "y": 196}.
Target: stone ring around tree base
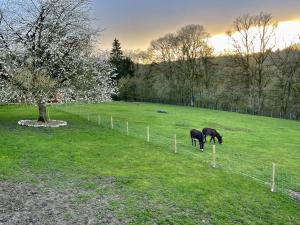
{"x": 35, "y": 123}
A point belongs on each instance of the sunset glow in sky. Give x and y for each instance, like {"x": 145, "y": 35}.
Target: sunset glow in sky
{"x": 136, "y": 22}
{"x": 287, "y": 33}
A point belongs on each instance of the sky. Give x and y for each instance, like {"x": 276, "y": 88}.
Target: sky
{"x": 136, "y": 22}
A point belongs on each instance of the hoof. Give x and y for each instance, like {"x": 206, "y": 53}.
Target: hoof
{"x": 201, "y": 150}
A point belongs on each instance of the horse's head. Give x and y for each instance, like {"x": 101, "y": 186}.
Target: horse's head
{"x": 220, "y": 140}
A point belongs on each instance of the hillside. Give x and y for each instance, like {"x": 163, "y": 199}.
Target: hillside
{"x": 113, "y": 178}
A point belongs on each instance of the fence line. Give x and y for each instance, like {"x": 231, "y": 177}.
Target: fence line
{"x": 273, "y": 178}
{"x": 214, "y": 156}
{"x": 262, "y": 173}
{"x": 148, "y": 134}
{"x": 175, "y": 143}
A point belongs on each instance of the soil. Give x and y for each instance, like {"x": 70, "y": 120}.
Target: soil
{"x": 24, "y": 203}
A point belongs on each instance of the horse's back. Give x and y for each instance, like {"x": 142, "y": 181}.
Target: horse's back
{"x": 197, "y": 134}
{"x": 208, "y": 131}
{"x": 195, "y": 130}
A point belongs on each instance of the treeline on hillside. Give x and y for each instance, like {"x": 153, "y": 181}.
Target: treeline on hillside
{"x": 254, "y": 77}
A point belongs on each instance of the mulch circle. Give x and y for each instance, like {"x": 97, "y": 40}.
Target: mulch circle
{"x": 50, "y": 123}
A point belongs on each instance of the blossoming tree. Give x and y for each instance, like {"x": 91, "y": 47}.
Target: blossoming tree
{"x": 46, "y": 49}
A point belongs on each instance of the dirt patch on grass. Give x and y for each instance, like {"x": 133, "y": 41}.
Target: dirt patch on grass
{"x": 84, "y": 203}
{"x": 295, "y": 195}
{"x": 182, "y": 125}
{"x": 238, "y": 129}
{"x": 101, "y": 200}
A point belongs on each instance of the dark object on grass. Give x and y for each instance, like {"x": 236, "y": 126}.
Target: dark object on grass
{"x": 213, "y": 133}
{"x": 162, "y": 111}
{"x": 197, "y": 135}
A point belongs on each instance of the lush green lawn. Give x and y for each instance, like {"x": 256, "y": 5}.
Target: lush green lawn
{"x": 156, "y": 185}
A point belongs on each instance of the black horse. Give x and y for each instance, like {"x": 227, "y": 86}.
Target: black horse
{"x": 197, "y": 135}
{"x": 213, "y": 133}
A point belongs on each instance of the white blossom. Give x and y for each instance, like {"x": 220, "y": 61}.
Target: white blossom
{"x": 46, "y": 49}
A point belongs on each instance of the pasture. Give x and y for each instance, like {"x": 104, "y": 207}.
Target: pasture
{"x": 114, "y": 178}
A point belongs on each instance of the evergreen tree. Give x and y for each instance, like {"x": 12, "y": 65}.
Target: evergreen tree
{"x": 116, "y": 54}
{"x": 124, "y": 65}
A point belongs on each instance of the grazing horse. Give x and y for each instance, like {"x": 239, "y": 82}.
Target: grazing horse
{"x": 197, "y": 135}
{"x": 213, "y": 133}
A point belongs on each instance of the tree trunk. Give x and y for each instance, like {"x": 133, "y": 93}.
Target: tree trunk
{"x": 42, "y": 112}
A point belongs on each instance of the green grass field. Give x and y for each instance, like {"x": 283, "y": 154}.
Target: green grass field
{"x": 155, "y": 185}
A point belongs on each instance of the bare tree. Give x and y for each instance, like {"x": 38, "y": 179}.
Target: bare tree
{"x": 193, "y": 55}
{"x": 164, "y": 48}
{"x": 184, "y": 57}
{"x": 287, "y": 62}
{"x": 253, "y": 39}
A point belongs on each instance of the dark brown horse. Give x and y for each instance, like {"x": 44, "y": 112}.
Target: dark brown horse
{"x": 213, "y": 133}
{"x": 197, "y": 135}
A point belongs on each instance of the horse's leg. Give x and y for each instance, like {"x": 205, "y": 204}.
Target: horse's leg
{"x": 193, "y": 142}
{"x": 214, "y": 140}
{"x": 211, "y": 138}
{"x": 201, "y": 145}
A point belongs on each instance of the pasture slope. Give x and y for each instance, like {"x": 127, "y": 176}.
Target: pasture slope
{"x": 88, "y": 173}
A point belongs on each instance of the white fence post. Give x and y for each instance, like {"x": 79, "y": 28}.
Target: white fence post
{"x": 111, "y": 122}
{"x": 175, "y": 144}
{"x": 273, "y": 178}
{"x": 148, "y": 134}
{"x": 48, "y": 112}
{"x": 214, "y": 156}
{"x": 127, "y": 129}
{"x": 99, "y": 119}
